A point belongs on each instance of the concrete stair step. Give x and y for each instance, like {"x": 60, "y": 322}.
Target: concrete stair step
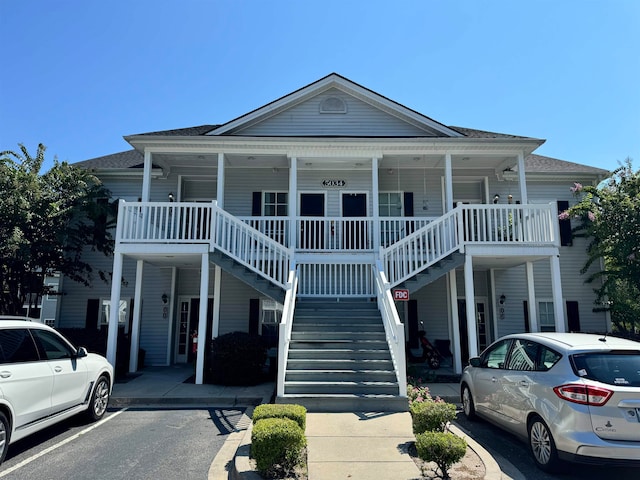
{"x": 332, "y": 376}
{"x": 340, "y": 364}
{"x": 331, "y": 336}
{"x": 342, "y": 354}
{"x": 341, "y": 387}
{"x": 347, "y": 402}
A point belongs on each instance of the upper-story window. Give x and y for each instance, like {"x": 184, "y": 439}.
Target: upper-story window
{"x": 275, "y": 204}
{"x": 390, "y": 204}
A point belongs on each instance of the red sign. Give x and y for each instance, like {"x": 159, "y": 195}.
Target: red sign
{"x": 401, "y": 295}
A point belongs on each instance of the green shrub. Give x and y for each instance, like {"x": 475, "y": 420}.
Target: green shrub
{"x": 443, "y": 448}
{"x": 431, "y": 416}
{"x": 277, "y": 445}
{"x": 236, "y": 358}
{"x": 297, "y": 413}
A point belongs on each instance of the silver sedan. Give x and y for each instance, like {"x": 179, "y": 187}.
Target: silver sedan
{"x": 571, "y": 396}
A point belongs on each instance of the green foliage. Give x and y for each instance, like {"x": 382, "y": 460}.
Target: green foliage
{"x": 431, "y": 416}
{"x": 443, "y": 448}
{"x": 609, "y": 216}
{"x": 236, "y": 358}
{"x": 277, "y": 445}
{"x": 47, "y": 222}
{"x": 297, "y": 413}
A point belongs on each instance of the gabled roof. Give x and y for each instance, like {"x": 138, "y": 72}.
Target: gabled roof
{"x": 345, "y": 85}
{"x": 541, "y": 164}
{"x": 183, "y": 132}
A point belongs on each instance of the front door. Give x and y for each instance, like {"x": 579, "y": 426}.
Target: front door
{"x": 311, "y": 230}
{"x": 188, "y": 320}
{"x": 354, "y": 236}
{"x": 481, "y": 328}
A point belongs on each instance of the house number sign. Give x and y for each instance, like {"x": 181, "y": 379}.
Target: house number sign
{"x": 334, "y": 183}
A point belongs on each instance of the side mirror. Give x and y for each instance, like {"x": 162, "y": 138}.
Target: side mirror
{"x": 81, "y": 352}
{"x": 474, "y": 361}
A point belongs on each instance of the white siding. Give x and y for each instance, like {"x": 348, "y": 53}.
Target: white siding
{"x": 361, "y": 119}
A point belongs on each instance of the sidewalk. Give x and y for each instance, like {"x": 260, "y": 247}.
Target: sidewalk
{"x": 352, "y": 446}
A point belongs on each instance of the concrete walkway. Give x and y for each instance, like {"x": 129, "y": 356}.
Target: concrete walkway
{"x": 350, "y": 446}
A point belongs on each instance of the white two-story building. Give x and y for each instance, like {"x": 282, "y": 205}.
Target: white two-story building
{"x": 343, "y": 223}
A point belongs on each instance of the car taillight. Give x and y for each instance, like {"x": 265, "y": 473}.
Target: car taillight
{"x": 583, "y": 394}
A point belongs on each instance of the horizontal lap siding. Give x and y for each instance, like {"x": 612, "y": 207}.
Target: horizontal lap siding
{"x": 361, "y": 119}
{"x": 241, "y": 182}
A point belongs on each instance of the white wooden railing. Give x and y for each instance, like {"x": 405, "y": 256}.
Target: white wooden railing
{"x": 336, "y": 279}
{"x": 393, "y": 327}
{"x": 285, "y": 326}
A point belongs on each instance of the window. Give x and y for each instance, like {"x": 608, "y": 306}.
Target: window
{"x": 105, "y": 312}
{"x": 16, "y": 346}
{"x": 546, "y": 316}
{"x": 495, "y": 357}
{"x": 275, "y": 204}
{"x": 271, "y": 311}
{"x": 523, "y": 355}
{"x": 390, "y": 204}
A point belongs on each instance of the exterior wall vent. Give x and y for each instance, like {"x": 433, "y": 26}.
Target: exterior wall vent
{"x": 333, "y": 105}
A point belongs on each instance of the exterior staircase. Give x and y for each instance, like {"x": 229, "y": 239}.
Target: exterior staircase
{"x": 339, "y": 359}
{"x": 434, "y": 272}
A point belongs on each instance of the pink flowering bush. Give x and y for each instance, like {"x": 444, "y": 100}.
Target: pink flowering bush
{"x": 417, "y": 392}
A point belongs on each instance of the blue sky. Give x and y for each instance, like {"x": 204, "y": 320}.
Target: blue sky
{"x": 79, "y": 75}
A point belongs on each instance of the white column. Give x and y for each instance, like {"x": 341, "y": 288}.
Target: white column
{"x": 531, "y": 291}
{"x": 116, "y": 283}
{"x": 376, "y": 206}
{"x": 217, "y": 279}
{"x": 293, "y": 201}
{"x": 135, "y": 327}
{"x": 521, "y": 179}
{"x": 455, "y": 331}
{"x": 202, "y": 322}
{"x": 146, "y": 177}
{"x": 469, "y": 295}
{"x": 556, "y": 287}
{"x": 448, "y": 183}
{"x": 220, "y": 182}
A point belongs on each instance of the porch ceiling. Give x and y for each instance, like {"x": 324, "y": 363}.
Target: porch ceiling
{"x": 489, "y": 262}
{"x": 169, "y": 259}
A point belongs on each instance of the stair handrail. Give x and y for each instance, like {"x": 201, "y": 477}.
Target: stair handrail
{"x": 250, "y": 247}
{"x": 422, "y": 248}
{"x": 285, "y": 326}
{"x": 393, "y": 327}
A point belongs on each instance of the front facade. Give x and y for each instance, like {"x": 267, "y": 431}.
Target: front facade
{"x": 335, "y": 193}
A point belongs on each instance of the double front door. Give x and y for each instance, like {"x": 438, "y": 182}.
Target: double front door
{"x": 316, "y": 234}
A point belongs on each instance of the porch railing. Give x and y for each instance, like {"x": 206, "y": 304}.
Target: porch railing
{"x": 285, "y": 326}
{"x": 393, "y": 327}
{"x": 336, "y": 279}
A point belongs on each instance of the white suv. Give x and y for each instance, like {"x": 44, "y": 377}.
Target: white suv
{"x": 44, "y": 379}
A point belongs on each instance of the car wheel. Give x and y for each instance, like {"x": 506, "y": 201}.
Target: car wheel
{"x": 5, "y": 435}
{"x": 99, "y": 399}
{"x": 542, "y": 446}
{"x": 468, "y": 406}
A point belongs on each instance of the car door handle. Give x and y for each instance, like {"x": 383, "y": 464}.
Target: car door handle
{"x": 57, "y": 369}
{"x": 494, "y": 379}
{"x": 5, "y": 374}
{"x": 524, "y": 383}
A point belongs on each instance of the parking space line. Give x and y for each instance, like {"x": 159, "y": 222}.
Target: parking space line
{"x": 60, "y": 444}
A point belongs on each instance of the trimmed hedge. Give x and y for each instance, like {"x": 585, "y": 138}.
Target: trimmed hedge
{"x": 297, "y": 413}
{"x": 236, "y": 358}
{"x": 443, "y": 448}
{"x": 431, "y": 416}
{"x": 277, "y": 444}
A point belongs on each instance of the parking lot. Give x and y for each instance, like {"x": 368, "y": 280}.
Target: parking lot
{"x": 129, "y": 443}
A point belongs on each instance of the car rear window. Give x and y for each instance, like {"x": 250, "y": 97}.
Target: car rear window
{"x": 620, "y": 368}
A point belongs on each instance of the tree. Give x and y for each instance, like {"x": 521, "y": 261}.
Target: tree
{"x": 47, "y": 222}
{"x": 610, "y": 218}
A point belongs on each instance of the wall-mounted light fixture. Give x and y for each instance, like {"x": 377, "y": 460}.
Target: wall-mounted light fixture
{"x": 165, "y": 298}
{"x": 171, "y": 198}
{"x": 390, "y": 171}
{"x": 496, "y": 198}
{"x": 502, "y": 299}
{"x": 510, "y": 199}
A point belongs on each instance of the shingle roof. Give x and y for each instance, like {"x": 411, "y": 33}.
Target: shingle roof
{"x": 184, "y": 132}
{"x": 473, "y": 133}
{"x": 541, "y": 164}
{"x": 128, "y": 159}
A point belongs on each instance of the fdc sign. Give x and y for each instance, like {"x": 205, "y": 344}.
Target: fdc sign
{"x": 401, "y": 295}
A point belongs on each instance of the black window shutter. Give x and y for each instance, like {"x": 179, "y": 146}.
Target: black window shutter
{"x": 412, "y": 315}
{"x": 254, "y": 316}
{"x": 527, "y": 328}
{"x": 566, "y": 237}
{"x": 408, "y": 204}
{"x": 93, "y": 313}
{"x": 573, "y": 316}
{"x": 256, "y": 204}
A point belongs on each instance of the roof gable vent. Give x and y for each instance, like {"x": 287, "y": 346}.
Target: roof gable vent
{"x": 333, "y": 105}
